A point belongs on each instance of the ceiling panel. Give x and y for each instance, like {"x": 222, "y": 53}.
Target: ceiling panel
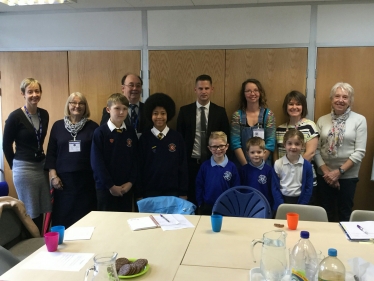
{"x": 141, "y": 4}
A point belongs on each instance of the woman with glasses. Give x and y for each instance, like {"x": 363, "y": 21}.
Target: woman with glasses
{"x": 68, "y": 162}
{"x": 27, "y": 127}
{"x": 253, "y": 119}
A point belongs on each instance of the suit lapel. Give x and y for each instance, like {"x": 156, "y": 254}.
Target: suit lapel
{"x": 193, "y": 119}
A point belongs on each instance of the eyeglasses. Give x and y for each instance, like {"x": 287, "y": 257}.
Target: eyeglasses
{"x": 136, "y": 86}
{"x": 215, "y": 147}
{"x": 80, "y": 104}
{"x": 255, "y": 91}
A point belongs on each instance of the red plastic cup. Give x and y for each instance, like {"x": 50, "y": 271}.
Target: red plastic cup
{"x": 292, "y": 220}
{"x": 51, "y": 241}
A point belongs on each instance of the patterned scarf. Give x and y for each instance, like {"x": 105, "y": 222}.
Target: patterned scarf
{"x": 336, "y": 134}
{"x": 73, "y": 129}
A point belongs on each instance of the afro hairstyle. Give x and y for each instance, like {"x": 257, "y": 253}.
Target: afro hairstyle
{"x": 161, "y": 100}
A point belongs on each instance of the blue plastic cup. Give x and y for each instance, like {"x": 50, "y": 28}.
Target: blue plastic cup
{"x": 216, "y": 222}
{"x": 61, "y": 230}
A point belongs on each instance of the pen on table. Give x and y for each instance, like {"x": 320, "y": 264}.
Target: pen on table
{"x": 360, "y": 228}
{"x": 164, "y": 218}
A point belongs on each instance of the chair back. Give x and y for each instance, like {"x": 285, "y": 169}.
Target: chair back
{"x": 7, "y": 260}
{"x": 362, "y": 215}
{"x": 306, "y": 212}
{"x": 12, "y": 229}
{"x": 166, "y": 205}
{"x": 242, "y": 201}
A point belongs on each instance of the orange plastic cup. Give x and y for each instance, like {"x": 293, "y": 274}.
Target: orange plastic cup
{"x": 292, "y": 220}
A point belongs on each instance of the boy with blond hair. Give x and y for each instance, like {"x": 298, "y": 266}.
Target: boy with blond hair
{"x": 216, "y": 175}
{"x": 256, "y": 173}
{"x": 114, "y": 154}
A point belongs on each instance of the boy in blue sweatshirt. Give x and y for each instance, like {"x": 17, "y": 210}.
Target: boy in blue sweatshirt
{"x": 114, "y": 154}
{"x": 216, "y": 175}
{"x": 256, "y": 173}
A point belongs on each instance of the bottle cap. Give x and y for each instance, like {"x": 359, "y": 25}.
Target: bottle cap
{"x": 332, "y": 252}
{"x": 304, "y": 234}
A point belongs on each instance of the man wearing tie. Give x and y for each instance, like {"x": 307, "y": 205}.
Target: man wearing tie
{"x": 195, "y": 122}
{"x": 132, "y": 89}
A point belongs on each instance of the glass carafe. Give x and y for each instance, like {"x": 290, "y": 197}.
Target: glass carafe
{"x": 104, "y": 268}
{"x": 273, "y": 262}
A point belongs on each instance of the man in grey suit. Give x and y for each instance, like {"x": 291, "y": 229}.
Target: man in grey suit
{"x": 195, "y": 122}
{"x": 132, "y": 89}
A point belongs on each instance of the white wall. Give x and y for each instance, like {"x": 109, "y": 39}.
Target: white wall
{"x": 337, "y": 25}
{"x": 71, "y": 31}
{"x": 238, "y": 26}
{"x": 345, "y": 25}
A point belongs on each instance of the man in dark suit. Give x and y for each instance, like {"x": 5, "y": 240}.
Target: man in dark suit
{"x": 132, "y": 89}
{"x": 190, "y": 124}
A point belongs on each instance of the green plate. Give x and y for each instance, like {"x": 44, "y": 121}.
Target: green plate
{"x": 146, "y": 268}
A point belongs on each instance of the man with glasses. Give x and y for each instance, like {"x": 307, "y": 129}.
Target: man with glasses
{"x": 132, "y": 89}
{"x": 195, "y": 122}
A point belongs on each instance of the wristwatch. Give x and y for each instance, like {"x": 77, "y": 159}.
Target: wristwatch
{"x": 342, "y": 171}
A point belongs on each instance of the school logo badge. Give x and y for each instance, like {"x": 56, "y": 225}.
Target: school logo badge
{"x": 172, "y": 147}
{"x": 111, "y": 140}
{"x": 227, "y": 175}
{"x": 129, "y": 142}
{"x": 262, "y": 179}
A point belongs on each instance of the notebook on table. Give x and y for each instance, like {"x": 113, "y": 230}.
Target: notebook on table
{"x": 358, "y": 230}
{"x": 143, "y": 223}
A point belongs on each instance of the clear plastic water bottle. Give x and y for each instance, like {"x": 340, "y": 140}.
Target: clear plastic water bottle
{"x": 331, "y": 268}
{"x": 303, "y": 259}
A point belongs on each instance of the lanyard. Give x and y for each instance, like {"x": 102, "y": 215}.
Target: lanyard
{"x": 38, "y": 133}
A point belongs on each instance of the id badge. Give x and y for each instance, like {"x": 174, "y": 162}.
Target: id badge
{"x": 75, "y": 146}
{"x": 259, "y": 132}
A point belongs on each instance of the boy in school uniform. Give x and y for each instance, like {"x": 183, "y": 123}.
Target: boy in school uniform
{"x": 163, "y": 159}
{"x": 257, "y": 173}
{"x": 114, "y": 155}
{"x": 216, "y": 175}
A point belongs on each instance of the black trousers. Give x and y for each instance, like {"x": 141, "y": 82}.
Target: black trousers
{"x": 333, "y": 199}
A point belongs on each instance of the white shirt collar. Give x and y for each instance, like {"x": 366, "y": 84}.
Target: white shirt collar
{"x": 223, "y": 164}
{"x": 286, "y": 161}
{"x": 113, "y": 127}
{"x": 199, "y": 105}
{"x": 156, "y": 132}
{"x": 137, "y": 103}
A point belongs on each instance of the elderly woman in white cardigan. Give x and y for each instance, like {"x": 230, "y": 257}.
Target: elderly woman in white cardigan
{"x": 341, "y": 148}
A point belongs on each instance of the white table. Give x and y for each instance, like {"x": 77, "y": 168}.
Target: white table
{"x": 193, "y": 253}
{"x": 163, "y": 249}
{"x": 231, "y": 248}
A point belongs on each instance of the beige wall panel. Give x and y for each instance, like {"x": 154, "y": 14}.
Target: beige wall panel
{"x": 356, "y": 67}
{"x": 98, "y": 74}
{"x": 174, "y": 73}
{"x": 50, "y": 69}
{"x": 279, "y": 71}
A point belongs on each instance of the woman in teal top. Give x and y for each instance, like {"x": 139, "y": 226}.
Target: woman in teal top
{"x": 253, "y": 119}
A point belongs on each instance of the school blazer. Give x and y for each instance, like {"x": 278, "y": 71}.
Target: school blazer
{"x": 186, "y": 124}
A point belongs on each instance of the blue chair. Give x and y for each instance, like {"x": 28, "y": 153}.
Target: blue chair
{"x": 242, "y": 201}
{"x": 166, "y": 205}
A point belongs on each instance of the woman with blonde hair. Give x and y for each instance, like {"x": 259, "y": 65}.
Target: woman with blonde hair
{"x": 68, "y": 162}
{"x": 27, "y": 127}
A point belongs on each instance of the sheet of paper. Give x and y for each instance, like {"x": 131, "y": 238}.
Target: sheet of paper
{"x": 79, "y": 233}
{"x": 354, "y": 232}
{"x": 58, "y": 261}
{"x": 175, "y": 221}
